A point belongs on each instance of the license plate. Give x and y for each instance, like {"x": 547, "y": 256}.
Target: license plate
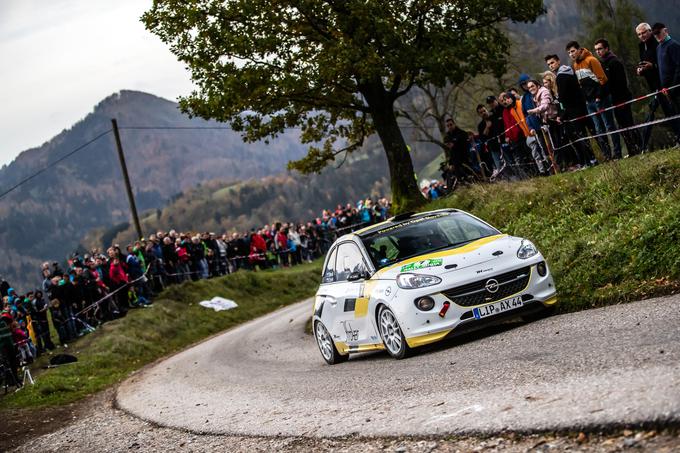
{"x": 497, "y": 307}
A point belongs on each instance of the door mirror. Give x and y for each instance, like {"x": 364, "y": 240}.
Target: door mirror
{"x": 357, "y": 275}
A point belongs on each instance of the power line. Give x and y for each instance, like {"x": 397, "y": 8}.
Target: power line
{"x": 175, "y": 127}
{"x": 51, "y": 164}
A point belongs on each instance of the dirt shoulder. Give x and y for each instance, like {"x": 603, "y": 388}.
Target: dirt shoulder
{"x": 94, "y": 424}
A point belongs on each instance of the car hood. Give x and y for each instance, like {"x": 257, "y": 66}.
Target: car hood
{"x": 495, "y": 251}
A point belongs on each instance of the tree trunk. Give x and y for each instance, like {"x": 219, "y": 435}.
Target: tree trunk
{"x": 405, "y": 194}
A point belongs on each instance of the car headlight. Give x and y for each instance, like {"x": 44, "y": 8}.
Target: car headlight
{"x": 412, "y": 281}
{"x": 526, "y": 250}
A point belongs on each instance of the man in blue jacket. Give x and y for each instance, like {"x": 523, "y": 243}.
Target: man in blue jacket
{"x": 668, "y": 56}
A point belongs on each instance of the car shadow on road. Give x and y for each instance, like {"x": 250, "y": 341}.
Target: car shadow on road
{"x": 465, "y": 338}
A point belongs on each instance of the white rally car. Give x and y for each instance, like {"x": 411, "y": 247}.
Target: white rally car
{"x": 419, "y": 278}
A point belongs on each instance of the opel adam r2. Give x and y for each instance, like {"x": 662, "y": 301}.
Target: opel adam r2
{"x": 419, "y": 278}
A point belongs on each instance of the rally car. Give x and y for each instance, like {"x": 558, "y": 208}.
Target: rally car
{"x": 419, "y": 278}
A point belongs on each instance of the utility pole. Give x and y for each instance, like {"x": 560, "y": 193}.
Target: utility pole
{"x": 126, "y": 178}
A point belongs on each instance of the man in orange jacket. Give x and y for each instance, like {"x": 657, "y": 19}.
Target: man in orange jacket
{"x": 593, "y": 81}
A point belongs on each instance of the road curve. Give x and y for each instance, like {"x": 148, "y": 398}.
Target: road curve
{"x": 615, "y": 365}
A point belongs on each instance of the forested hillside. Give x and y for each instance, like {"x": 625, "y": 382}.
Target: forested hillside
{"x": 45, "y": 218}
{"x": 226, "y": 207}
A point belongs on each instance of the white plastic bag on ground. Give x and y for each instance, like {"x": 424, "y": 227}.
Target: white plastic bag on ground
{"x": 218, "y": 303}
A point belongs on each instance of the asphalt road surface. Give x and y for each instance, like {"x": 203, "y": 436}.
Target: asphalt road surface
{"x": 614, "y": 366}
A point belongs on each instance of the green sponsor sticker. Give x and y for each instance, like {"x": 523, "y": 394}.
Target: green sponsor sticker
{"x": 422, "y": 264}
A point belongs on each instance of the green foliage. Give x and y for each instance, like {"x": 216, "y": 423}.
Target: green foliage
{"x": 334, "y": 69}
{"x": 610, "y": 234}
{"x": 175, "y": 321}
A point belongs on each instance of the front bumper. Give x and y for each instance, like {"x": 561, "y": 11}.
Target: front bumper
{"x": 422, "y": 328}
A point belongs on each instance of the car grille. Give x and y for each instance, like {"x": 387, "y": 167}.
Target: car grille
{"x": 476, "y": 293}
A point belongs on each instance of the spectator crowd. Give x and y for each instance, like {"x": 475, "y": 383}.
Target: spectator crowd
{"x": 544, "y": 125}
{"x": 99, "y": 286}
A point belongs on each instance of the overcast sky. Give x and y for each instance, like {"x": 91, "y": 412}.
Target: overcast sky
{"x": 61, "y": 57}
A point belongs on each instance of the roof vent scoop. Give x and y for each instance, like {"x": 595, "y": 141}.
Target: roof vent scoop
{"x": 404, "y": 216}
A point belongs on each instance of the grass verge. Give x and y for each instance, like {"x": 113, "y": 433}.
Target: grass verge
{"x": 108, "y": 355}
{"x": 610, "y": 233}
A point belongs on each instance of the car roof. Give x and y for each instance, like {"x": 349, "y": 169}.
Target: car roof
{"x": 399, "y": 220}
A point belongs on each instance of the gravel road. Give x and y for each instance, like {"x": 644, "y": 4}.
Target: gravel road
{"x": 615, "y": 366}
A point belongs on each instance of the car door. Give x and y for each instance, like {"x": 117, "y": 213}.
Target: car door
{"x": 352, "y": 307}
{"x": 330, "y": 298}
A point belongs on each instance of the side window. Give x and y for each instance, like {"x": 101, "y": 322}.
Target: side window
{"x": 349, "y": 260}
{"x": 329, "y": 273}
{"x": 384, "y": 250}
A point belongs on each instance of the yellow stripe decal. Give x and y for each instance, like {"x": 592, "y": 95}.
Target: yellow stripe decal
{"x": 414, "y": 342}
{"x": 471, "y": 247}
{"x": 342, "y": 348}
{"x": 361, "y": 307}
{"x": 551, "y": 301}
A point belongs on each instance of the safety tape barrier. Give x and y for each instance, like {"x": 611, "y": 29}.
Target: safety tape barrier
{"x": 618, "y": 131}
{"x": 663, "y": 91}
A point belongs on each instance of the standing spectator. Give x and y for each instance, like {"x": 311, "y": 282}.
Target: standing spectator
{"x": 648, "y": 68}
{"x": 497, "y": 129}
{"x": 119, "y": 281}
{"x": 545, "y": 107}
{"x": 573, "y": 104}
{"x": 42, "y": 326}
{"x": 222, "y": 267}
{"x": 514, "y": 137}
{"x": 593, "y": 82}
{"x": 668, "y": 56}
{"x": 258, "y": 250}
{"x": 490, "y": 151}
{"x": 199, "y": 262}
{"x": 7, "y": 348}
{"x": 170, "y": 259}
{"x": 456, "y": 152}
{"x": 294, "y": 238}
{"x": 282, "y": 246}
{"x": 532, "y": 127}
{"x": 620, "y": 93}
{"x": 59, "y": 322}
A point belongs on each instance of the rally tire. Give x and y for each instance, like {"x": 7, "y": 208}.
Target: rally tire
{"x": 326, "y": 345}
{"x": 391, "y": 334}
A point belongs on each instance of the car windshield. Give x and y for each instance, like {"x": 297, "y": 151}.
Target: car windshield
{"x": 423, "y": 235}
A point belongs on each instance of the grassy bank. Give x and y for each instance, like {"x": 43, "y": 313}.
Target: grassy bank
{"x": 108, "y": 355}
{"x": 611, "y": 233}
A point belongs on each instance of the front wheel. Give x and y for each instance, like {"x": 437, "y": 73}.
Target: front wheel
{"x": 326, "y": 346}
{"x": 391, "y": 334}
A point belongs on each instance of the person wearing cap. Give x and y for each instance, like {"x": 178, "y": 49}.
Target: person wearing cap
{"x": 668, "y": 57}
{"x": 648, "y": 68}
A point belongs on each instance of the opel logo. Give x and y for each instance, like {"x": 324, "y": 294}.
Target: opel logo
{"x": 491, "y": 285}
